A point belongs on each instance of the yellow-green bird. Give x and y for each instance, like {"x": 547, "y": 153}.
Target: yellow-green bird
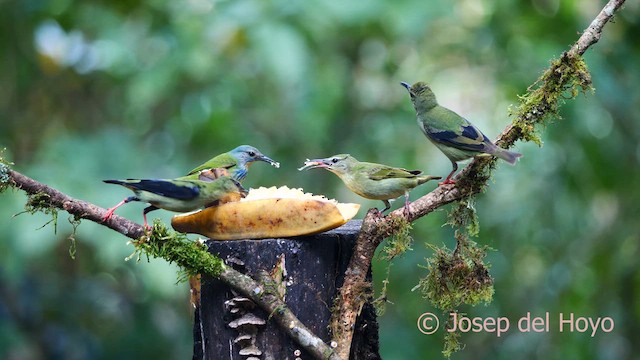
{"x": 236, "y": 161}
{"x": 371, "y": 180}
{"x": 454, "y": 135}
{"x": 179, "y": 195}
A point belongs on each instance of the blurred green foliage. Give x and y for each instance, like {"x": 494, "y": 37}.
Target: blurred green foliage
{"x": 95, "y": 90}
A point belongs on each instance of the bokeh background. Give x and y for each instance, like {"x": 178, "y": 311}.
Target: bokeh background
{"x": 116, "y": 89}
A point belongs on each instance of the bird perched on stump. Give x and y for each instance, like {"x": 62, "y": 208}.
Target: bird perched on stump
{"x": 454, "y": 135}
{"x": 236, "y": 161}
{"x": 371, "y": 180}
{"x": 182, "y": 194}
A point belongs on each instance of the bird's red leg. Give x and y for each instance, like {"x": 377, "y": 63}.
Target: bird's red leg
{"x": 144, "y": 215}
{"x": 407, "y": 212}
{"x": 110, "y": 211}
{"x": 448, "y": 180}
{"x": 146, "y": 224}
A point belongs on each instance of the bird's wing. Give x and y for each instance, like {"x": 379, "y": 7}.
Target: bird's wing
{"x": 221, "y": 161}
{"x": 388, "y": 172}
{"x": 467, "y": 137}
{"x": 446, "y": 127}
{"x": 176, "y": 190}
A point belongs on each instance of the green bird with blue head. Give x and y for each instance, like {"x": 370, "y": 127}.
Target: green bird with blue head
{"x": 454, "y": 135}
{"x": 182, "y": 194}
{"x": 236, "y": 161}
{"x": 371, "y": 180}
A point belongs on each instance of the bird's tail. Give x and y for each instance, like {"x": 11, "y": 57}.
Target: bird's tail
{"x": 424, "y": 178}
{"x": 506, "y": 155}
{"x": 117, "y": 182}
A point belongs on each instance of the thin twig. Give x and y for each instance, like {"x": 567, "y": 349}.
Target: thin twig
{"x": 592, "y": 34}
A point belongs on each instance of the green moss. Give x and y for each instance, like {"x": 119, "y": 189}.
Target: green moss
{"x": 278, "y": 310}
{"x": 464, "y": 216}
{"x": 564, "y": 79}
{"x": 41, "y": 202}
{"x": 75, "y": 222}
{"x": 174, "y": 247}
{"x": 273, "y": 282}
{"x": 400, "y": 241}
{"x": 278, "y": 278}
{"x": 452, "y": 344}
{"x": 380, "y": 303}
{"x": 457, "y": 277}
{"x": 477, "y": 178}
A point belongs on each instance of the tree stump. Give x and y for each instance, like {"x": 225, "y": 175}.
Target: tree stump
{"x": 227, "y": 326}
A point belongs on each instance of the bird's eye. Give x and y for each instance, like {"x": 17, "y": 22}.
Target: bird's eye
{"x": 334, "y": 160}
{"x": 252, "y": 154}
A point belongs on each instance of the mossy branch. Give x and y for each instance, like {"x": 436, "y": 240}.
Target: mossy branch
{"x": 160, "y": 242}
{"x": 192, "y": 257}
{"x": 565, "y": 78}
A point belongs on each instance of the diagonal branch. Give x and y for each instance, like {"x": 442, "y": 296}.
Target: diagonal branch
{"x": 242, "y": 283}
{"x": 535, "y": 107}
{"x": 592, "y": 34}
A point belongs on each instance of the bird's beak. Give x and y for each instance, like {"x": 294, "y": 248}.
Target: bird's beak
{"x": 313, "y": 164}
{"x": 408, "y": 87}
{"x": 267, "y": 159}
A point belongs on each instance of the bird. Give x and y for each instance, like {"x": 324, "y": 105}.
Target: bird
{"x": 181, "y": 194}
{"x": 236, "y": 161}
{"x": 454, "y": 135}
{"x": 371, "y": 180}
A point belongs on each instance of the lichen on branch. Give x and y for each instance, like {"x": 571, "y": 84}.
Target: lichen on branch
{"x": 5, "y": 166}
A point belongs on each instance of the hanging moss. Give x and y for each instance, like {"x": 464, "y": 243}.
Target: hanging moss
{"x": 74, "y": 220}
{"x": 41, "y": 202}
{"x": 174, "y": 247}
{"x": 452, "y": 344}
{"x": 464, "y": 216}
{"x": 457, "y": 277}
{"x": 460, "y": 276}
{"x": 380, "y": 303}
{"x": 400, "y": 241}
